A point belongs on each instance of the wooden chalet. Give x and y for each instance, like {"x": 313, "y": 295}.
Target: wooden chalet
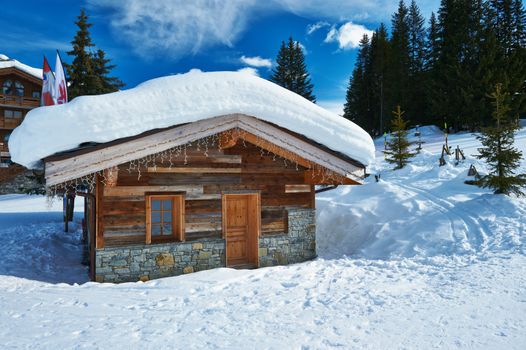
{"x": 19, "y": 93}
{"x": 230, "y": 191}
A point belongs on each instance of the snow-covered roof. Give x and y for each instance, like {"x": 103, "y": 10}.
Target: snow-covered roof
{"x": 6, "y": 62}
{"x": 178, "y": 99}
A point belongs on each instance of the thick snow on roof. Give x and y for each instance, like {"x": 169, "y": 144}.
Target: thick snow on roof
{"x": 6, "y": 62}
{"x": 178, "y": 99}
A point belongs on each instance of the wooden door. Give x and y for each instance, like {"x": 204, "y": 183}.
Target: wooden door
{"x": 241, "y": 219}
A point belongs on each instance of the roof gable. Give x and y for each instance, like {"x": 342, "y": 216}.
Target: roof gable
{"x": 264, "y": 135}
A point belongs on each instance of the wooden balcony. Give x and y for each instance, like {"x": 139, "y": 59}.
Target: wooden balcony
{"x": 19, "y": 101}
{"x": 9, "y": 123}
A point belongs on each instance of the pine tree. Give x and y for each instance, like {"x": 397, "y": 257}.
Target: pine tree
{"x": 432, "y": 44}
{"x": 519, "y": 24}
{"x": 356, "y": 108}
{"x": 88, "y": 73}
{"x": 82, "y": 79}
{"x": 102, "y": 68}
{"x": 417, "y": 36}
{"x": 398, "y": 146}
{"x": 291, "y": 70}
{"x": 416, "y": 92}
{"x": 498, "y": 149}
{"x": 400, "y": 60}
{"x": 376, "y": 73}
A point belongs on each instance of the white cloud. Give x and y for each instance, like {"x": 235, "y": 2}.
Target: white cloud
{"x": 177, "y": 27}
{"x": 351, "y": 10}
{"x": 348, "y": 36}
{"x": 249, "y": 70}
{"x": 180, "y": 27}
{"x": 311, "y": 28}
{"x": 256, "y": 61}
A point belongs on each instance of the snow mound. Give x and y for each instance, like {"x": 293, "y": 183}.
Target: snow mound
{"x": 422, "y": 210}
{"x": 6, "y": 62}
{"x": 178, "y": 99}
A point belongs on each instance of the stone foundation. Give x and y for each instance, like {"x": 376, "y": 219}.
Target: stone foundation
{"x": 145, "y": 262}
{"x": 298, "y": 245}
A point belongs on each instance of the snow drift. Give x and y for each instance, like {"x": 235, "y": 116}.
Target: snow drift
{"x": 422, "y": 210}
{"x": 178, "y": 99}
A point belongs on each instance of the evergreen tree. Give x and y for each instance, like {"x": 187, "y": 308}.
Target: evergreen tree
{"x": 507, "y": 20}
{"x": 88, "y": 73}
{"x": 102, "y": 68}
{"x": 82, "y": 79}
{"x": 377, "y": 71}
{"x": 356, "y": 107}
{"x": 498, "y": 149}
{"x": 417, "y": 53}
{"x": 291, "y": 70}
{"x": 417, "y": 36}
{"x": 398, "y": 152}
{"x": 432, "y": 44}
{"x": 518, "y": 24}
{"x": 400, "y": 61}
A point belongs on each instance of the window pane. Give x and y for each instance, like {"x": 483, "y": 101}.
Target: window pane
{"x": 7, "y": 87}
{"x": 156, "y": 216}
{"x": 156, "y": 230}
{"x": 167, "y": 216}
{"x": 167, "y": 230}
{"x": 156, "y": 204}
{"x": 8, "y": 113}
{"x": 36, "y": 94}
{"x": 19, "y": 91}
{"x": 17, "y": 114}
{"x": 167, "y": 204}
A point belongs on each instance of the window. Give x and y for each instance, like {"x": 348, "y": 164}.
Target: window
{"x": 164, "y": 217}
{"x": 19, "y": 89}
{"x": 10, "y": 88}
{"x": 12, "y": 114}
{"x": 36, "y": 94}
{"x": 7, "y": 87}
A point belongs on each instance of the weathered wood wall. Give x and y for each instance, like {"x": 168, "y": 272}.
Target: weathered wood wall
{"x": 238, "y": 168}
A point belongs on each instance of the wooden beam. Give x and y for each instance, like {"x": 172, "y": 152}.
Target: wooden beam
{"x": 111, "y": 176}
{"x": 99, "y": 241}
{"x": 314, "y": 177}
{"x": 227, "y": 140}
{"x": 193, "y": 170}
{"x": 148, "y": 238}
{"x": 130, "y": 191}
{"x": 266, "y": 145}
{"x": 297, "y": 188}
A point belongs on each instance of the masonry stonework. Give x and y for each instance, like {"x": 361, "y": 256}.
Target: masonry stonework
{"x": 145, "y": 262}
{"x": 298, "y": 245}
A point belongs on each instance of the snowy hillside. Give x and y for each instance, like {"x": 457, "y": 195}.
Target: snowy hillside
{"x": 417, "y": 260}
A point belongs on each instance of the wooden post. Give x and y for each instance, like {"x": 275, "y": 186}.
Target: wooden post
{"x": 98, "y": 207}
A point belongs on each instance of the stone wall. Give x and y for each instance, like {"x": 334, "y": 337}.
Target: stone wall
{"x": 145, "y": 262}
{"x": 298, "y": 245}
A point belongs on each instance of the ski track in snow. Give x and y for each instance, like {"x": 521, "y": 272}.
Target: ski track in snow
{"x": 416, "y": 261}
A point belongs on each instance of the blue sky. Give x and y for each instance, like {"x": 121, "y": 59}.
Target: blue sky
{"x": 148, "y": 39}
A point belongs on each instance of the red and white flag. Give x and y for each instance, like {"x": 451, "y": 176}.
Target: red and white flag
{"x": 48, "y": 85}
{"x": 61, "y": 90}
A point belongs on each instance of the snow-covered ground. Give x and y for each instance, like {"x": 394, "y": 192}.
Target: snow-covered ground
{"x": 418, "y": 260}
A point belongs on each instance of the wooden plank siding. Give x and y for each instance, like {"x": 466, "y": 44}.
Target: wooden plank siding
{"x": 122, "y": 215}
